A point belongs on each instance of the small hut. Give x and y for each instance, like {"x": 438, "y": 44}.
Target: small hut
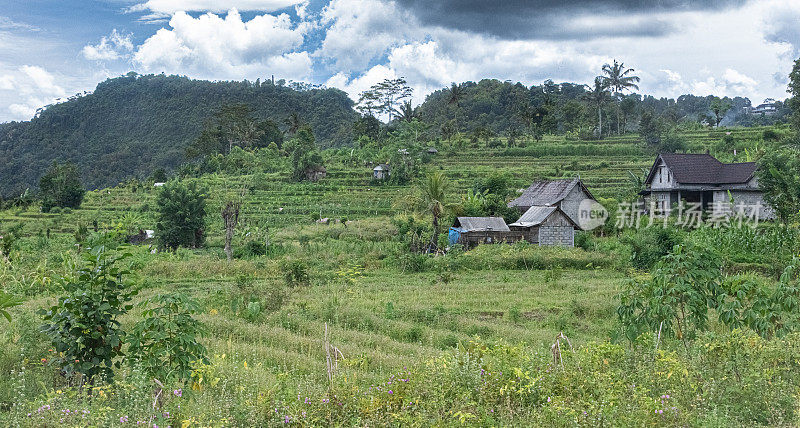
{"x": 546, "y": 225}
{"x": 315, "y": 173}
{"x": 432, "y": 151}
{"x": 381, "y": 172}
{"x": 471, "y": 231}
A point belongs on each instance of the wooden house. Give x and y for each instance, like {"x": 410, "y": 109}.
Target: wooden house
{"x": 471, "y": 231}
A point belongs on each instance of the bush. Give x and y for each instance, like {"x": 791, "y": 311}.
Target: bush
{"x": 61, "y": 186}
{"x": 83, "y": 325}
{"x": 165, "y": 343}
{"x": 181, "y": 215}
{"x": 251, "y": 249}
{"x": 295, "y": 273}
{"x": 649, "y": 245}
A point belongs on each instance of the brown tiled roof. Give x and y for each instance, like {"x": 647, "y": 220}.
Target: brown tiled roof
{"x": 690, "y": 168}
{"x": 482, "y": 224}
{"x": 546, "y": 192}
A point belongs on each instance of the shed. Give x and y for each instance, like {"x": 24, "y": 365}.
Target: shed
{"x": 546, "y": 225}
{"x": 159, "y": 184}
{"x": 471, "y": 231}
{"x": 432, "y": 151}
{"x": 381, "y": 172}
{"x": 315, "y": 173}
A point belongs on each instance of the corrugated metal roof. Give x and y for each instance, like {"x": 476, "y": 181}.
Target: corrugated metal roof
{"x": 381, "y": 167}
{"x": 534, "y": 216}
{"x": 702, "y": 168}
{"x": 545, "y": 192}
{"x": 482, "y": 224}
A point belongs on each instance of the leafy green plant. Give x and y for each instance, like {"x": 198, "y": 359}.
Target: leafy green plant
{"x": 165, "y": 343}
{"x": 676, "y": 300}
{"x": 8, "y": 301}
{"x": 181, "y": 215}
{"x": 84, "y": 325}
{"x": 295, "y": 273}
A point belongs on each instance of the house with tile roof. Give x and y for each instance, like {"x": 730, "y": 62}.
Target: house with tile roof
{"x": 704, "y": 181}
{"x": 566, "y": 195}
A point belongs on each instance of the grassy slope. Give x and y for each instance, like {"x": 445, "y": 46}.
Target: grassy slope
{"x": 383, "y": 320}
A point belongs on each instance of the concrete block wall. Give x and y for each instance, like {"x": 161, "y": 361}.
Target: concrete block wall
{"x": 557, "y": 235}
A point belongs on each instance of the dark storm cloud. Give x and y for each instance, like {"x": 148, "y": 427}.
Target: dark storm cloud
{"x": 558, "y": 19}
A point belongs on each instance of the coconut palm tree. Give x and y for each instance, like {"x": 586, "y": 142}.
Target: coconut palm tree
{"x": 432, "y": 191}
{"x": 406, "y": 112}
{"x": 598, "y": 97}
{"x": 619, "y": 79}
{"x": 455, "y": 96}
{"x": 293, "y": 122}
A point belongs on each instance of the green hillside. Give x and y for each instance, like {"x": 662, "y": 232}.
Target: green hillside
{"x": 132, "y": 125}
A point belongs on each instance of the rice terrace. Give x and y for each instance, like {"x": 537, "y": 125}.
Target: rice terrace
{"x": 218, "y": 242}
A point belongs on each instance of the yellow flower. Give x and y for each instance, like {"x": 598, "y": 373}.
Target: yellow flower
{"x": 213, "y": 312}
{"x": 58, "y": 391}
{"x": 245, "y": 364}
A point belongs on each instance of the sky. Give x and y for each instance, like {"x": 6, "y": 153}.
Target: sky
{"x": 51, "y": 50}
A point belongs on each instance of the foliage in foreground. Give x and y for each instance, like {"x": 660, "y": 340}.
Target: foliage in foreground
{"x": 735, "y": 379}
{"x": 84, "y": 325}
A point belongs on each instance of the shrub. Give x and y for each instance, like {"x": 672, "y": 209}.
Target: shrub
{"x": 61, "y": 186}
{"x": 83, "y": 325}
{"x": 165, "y": 343}
{"x": 649, "y": 245}
{"x": 295, "y": 273}
{"x": 181, "y": 215}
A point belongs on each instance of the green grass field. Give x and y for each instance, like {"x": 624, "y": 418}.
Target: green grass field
{"x": 267, "y": 339}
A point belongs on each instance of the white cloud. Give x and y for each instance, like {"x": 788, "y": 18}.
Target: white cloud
{"x": 111, "y": 47}
{"x": 215, "y": 48}
{"x": 160, "y": 9}
{"x": 360, "y": 31}
{"x": 6, "y": 82}
{"x": 25, "y": 89}
{"x": 42, "y": 80}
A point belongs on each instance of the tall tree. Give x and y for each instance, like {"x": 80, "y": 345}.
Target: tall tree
{"x": 432, "y": 194}
{"x": 719, "y": 107}
{"x": 61, "y": 186}
{"x": 369, "y": 103}
{"x": 406, "y": 112}
{"x": 454, "y": 99}
{"x": 392, "y": 92}
{"x": 598, "y": 97}
{"x": 293, "y": 122}
{"x": 181, "y": 215}
{"x": 232, "y": 125}
{"x": 384, "y": 97}
{"x": 779, "y": 177}
{"x": 619, "y": 79}
{"x": 230, "y": 216}
{"x": 794, "y": 100}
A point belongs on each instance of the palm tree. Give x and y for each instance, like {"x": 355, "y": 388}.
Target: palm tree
{"x": 293, "y": 122}
{"x": 598, "y": 97}
{"x": 432, "y": 193}
{"x": 456, "y": 94}
{"x": 406, "y": 112}
{"x": 619, "y": 79}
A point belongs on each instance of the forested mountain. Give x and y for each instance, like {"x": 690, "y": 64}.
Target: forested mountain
{"x": 135, "y": 124}
{"x": 132, "y": 125}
